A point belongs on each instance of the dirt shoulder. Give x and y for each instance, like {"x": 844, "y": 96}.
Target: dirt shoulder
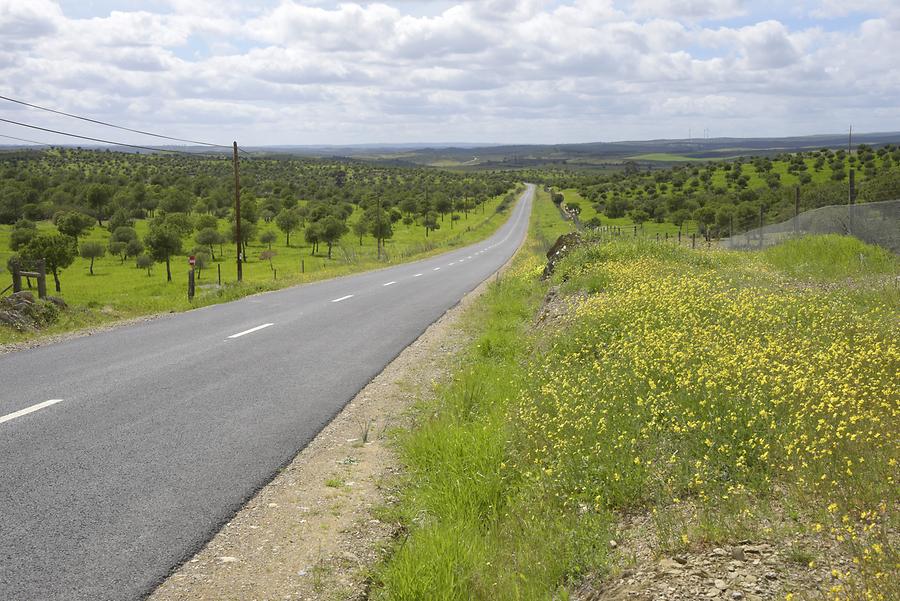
{"x": 316, "y": 529}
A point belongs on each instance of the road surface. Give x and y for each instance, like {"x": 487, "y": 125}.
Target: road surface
{"x": 122, "y": 453}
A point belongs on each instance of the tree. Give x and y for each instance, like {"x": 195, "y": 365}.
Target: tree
{"x": 679, "y": 216}
{"x": 163, "y": 242}
{"x": 22, "y": 233}
{"x": 134, "y": 248}
{"x": 208, "y": 237}
{"x": 144, "y": 262}
{"x": 201, "y": 260}
{"x": 267, "y": 255}
{"x": 248, "y": 233}
{"x": 92, "y": 250}
{"x": 287, "y": 221}
{"x": 73, "y": 223}
{"x": 639, "y": 216}
{"x": 332, "y": 230}
{"x": 57, "y": 250}
{"x": 98, "y": 197}
{"x": 268, "y": 237}
{"x": 119, "y": 249}
{"x": 313, "y": 234}
{"x": 123, "y": 234}
{"x": 380, "y": 227}
{"x": 361, "y": 228}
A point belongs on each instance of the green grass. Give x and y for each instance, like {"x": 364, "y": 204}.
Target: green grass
{"x": 474, "y": 539}
{"x": 118, "y": 290}
{"x": 705, "y": 389}
{"x": 830, "y": 258}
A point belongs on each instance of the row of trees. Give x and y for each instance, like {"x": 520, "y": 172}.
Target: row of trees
{"x": 184, "y": 199}
{"x": 690, "y": 192}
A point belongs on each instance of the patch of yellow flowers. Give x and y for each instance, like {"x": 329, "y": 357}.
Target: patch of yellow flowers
{"x": 686, "y": 381}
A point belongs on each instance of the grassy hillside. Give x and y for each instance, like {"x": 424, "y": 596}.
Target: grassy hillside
{"x": 716, "y": 397}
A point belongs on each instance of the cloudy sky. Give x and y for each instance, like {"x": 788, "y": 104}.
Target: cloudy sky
{"x": 526, "y": 71}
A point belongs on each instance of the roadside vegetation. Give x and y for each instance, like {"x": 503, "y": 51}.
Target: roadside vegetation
{"x": 726, "y": 396}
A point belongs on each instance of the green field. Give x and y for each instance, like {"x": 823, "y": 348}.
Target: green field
{"x": 120, "y": 290}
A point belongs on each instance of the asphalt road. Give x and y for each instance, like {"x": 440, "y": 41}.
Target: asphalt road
{"x": 161, "y": 431}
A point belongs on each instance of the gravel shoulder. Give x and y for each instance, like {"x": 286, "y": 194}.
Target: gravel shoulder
{"x": 315, "y": 530}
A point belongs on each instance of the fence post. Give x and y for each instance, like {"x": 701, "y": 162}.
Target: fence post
{"x": 694, "y": 240}
{"x": 302, "y": 266}
{"x": 42, "y": 278}
{"x": 191, "y": 283}
{"x": 635, "y": 231}
{"x": 679, "y": 236}
{"x": 657, "y": 236}
{"x": 17, "y": 280}
{"x": 797, "y": 211}
{"x": 219, "y": 266}
{"x": 760, "y": 226}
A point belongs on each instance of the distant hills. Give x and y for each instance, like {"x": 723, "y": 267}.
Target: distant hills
{"x": 585, "y": 155}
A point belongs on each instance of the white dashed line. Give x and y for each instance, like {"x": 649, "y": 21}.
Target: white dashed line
{"x": 251, "y": 330}
{"x": 28, "y": 410}
{"x": 337, "y": 300}
{"x": 436, "y": 269}
{"x": 389, "y": 283}
{"x": 417, "y": 275}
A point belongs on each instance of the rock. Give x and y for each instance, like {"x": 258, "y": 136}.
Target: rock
{"x": 562, "y": 247}
{"x": 668, "y": 564}
{"x": 228, "y": 559}
{"x": 737, "y": 595}
{"x": 57, "y": 301}
{"x": 738, "y": 553}
{"x": 23, "y": 297}
{"x": 713, "y": 592}
{"x": 681, "y": 559}
{"x": 613, "y": 544}
{"x": 719, "y": 552}
{"x": 771, "y": 576}
{"x": 720, "y": 584}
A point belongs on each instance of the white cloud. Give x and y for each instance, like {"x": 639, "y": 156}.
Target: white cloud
{"x": 401, "y": 71}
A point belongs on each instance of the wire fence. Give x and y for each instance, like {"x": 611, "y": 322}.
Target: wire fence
{"x": 872, "y": 222}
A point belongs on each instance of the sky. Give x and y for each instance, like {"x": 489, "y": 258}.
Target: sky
{"x": 490, "y": 71}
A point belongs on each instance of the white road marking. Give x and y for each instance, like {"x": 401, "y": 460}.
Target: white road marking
{"x": 436, "y": 269}
{"x": 389, "y": 283}
{"x": 469, "y": 257}
{"x": 337, "y": 300}
{"x": 453, "y": 263}
{"x": 251, "y": 330}
{"x": 28, "y": 410}
{"x": 417, "y": 275}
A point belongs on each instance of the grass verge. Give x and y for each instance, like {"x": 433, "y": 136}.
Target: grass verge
{"x": 719, "y": 392}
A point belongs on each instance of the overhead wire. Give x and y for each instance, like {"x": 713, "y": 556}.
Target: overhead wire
{"x": 113, "y": 125}
{"x": 113, "y": 142}
{"x": 25, "y": 140}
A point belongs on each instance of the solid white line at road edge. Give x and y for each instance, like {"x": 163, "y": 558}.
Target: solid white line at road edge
{"x": 28, "y": 410}
{"x": 251, "y": 330}
{"x": 337, "y": 300}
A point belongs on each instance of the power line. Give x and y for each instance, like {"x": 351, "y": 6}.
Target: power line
{"x": 122, "y": 127}
{"x": 25, "y": 140}
{"x": 137, "y": 131}
{"x": 62, "y": 133}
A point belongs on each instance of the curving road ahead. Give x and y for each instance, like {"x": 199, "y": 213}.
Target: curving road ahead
{"x": 122, "y": 453}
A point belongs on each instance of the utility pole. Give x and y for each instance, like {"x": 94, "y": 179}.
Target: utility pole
{"x": 237, "y": 214}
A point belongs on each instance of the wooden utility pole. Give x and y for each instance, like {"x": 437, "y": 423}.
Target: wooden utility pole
{"x": 237, "y": 215}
